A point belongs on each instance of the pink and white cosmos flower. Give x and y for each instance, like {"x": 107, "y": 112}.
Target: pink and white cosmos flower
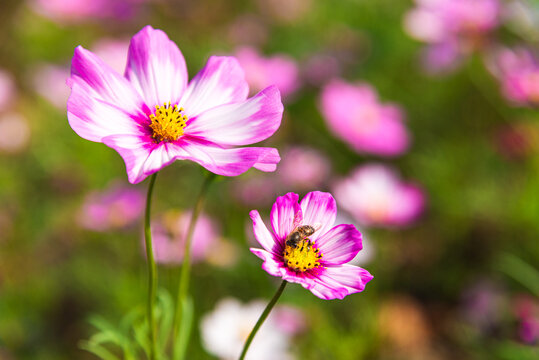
{"x": 152, "y": 116}
{"x": 375, "y": 195}
{"x": 354, "y": 113}
{"x": 317, "y": 262}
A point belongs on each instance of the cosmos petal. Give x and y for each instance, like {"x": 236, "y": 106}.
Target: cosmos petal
{"x": 262, "y": 234}
{"x": 271, "y": 263}
{"x": 338, "y": 282}
{"x": 220, "y": 82}
{"x": 319, "y": 210}
{"x": 283, "y": 213}
{"x": 92, "y": 118}
{"x": 156, "y": 67}
{"x": 102, "y": 82}
{"x": 242, "y": 123}
{"x": 339, "y": 245}
{"x": 227, "y": 162}
{"x": 134, "y": 150}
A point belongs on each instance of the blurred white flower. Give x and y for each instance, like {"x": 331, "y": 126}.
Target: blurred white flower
{"x": 226, "y": 328}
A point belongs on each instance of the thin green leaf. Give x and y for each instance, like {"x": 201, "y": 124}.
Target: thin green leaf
{"x": 166, "y": 319}
{"x": 141, "y": 336}
{"x": 521, "y": 271}
{"x": 98, "y": 350}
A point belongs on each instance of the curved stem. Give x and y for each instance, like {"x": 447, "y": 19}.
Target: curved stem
{"x": 183, "y": 286}
{"x": 152, "y": 269}
{"x": 263, "y": 317}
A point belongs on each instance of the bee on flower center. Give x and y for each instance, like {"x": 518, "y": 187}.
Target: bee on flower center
{"x": 300, "y": 253}
{"x": 299, "y": 233}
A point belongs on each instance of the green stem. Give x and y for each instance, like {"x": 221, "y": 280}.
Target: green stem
{"x": 263, "y": 317}
{"x": 183, "y": 286}
{"x": 152, "y": 269}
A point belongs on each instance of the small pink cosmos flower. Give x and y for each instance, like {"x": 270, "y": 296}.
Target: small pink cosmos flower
{"x": 354, "y": 114}
{"x": 152, "y": 116}
{"x": 318, "y": 261}
{"x": 375, "y": 195}
{"x": 261, "y": 71}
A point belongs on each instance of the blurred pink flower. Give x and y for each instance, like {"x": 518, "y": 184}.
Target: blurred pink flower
{"x": 7, "y": 90}
{"x": 374, "y": 195}
{"x": 248, "y": 29}
{"x": 517, "y": 140}
{"x": 320, "y": 68}
{"x": 527, "y": 310}
{"x": 68, "y": 11}
{"x": 116, "y": 207}
{"x": 113, "y": 52}
{"x": 285, "y": 11}
{"x": 279, "y": 70}
{"x": 453, "y": 28}
{"x": 303, "y": 168}
{"x": 159, "y": 117}
{"x": 318, "y": 262}
{"x": 255, "y": 189}
{"x": 518, "y": 72}
{"x": 14, "y": 132}
{"x": 49, "y": 81}
{"x": 225, "y": 329}
{"x": 355, "y": 115}
{"x": 289, "y": 319}
{"x": 169, "y": 237}
{"x": 483, "y": 304}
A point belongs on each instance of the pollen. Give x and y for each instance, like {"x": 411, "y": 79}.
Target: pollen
{"x": 167, "y": 122}
{"x": 302, "y": 257}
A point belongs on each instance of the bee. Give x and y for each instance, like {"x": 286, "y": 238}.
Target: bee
{"x": 298, "y": 234}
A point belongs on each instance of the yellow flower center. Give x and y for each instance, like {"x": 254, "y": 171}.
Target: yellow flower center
{"x": 303, "y": 256}
{"x": 167, "y": 122}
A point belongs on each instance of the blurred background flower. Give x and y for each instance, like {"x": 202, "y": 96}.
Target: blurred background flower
{"x": 169, "y": 234}
{"x": 440, "y": 174}
{"x": 261, "y": 72}
{"x": 374, "y": 195}
{"x": 225, "y": 329}
{"x": 452, "y": 28}
{"x": 518, "y": 73}
{"x": 116, "y": 207}
{"x": 354, "y": 114}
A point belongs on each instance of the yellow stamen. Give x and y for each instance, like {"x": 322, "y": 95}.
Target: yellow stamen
{"x": 167, "y": 122}
{"x": 302, "y": 257}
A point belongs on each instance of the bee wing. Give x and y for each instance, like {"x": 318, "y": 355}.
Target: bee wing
{"x": 317, "y": 226}
{"x": 298, "y": 218}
